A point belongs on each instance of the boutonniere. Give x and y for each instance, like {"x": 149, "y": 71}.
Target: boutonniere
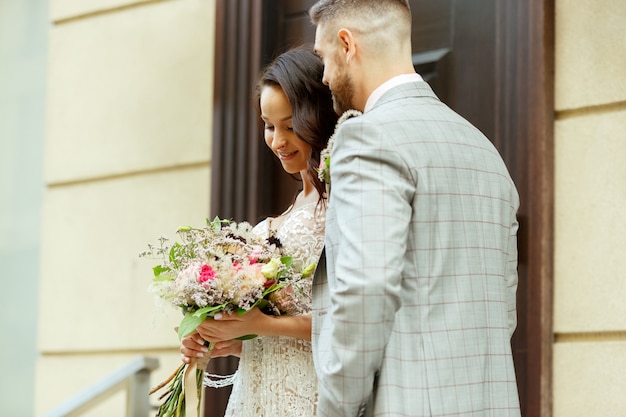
{"x": 323, "y": 171}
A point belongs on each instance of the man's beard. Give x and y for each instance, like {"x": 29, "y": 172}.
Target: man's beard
{"x": 343, "y": 93}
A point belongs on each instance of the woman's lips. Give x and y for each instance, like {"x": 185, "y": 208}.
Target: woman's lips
{"x": 286, "y": 155}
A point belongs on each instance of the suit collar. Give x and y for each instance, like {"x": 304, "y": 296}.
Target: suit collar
{"x": 406, "y": 90}
{"x": 388, "y": 85}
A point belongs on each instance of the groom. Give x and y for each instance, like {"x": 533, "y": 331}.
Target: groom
{"x": 414, "y": 312}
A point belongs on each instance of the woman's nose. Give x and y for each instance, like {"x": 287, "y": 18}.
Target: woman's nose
{"x": 279, "y": 140}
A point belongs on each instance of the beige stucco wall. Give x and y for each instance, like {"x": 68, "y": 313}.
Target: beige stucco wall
{"x": 590, "y": 226}
{"x": 129, "y": 118}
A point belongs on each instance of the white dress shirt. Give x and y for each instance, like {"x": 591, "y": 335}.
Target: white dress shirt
{"x": 388, "y": 85}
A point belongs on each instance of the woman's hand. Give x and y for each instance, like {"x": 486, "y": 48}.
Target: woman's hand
{"x": 225, "y": 327}
{"x": 227, "y": 348}
{"x": 193, "y": 346}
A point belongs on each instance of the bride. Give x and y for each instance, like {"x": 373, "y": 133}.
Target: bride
{"x": 276, "y": 376}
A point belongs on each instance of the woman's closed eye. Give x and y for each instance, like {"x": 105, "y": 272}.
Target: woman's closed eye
{"x": 272, "y": 128}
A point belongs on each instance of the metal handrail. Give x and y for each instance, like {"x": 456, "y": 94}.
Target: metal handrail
{"x": 134, "y": 376}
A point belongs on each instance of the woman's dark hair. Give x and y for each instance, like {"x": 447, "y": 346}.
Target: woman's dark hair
{"x": 298, "y": 72}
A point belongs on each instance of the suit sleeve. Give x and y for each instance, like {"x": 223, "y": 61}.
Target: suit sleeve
{"x": 371, "y": 194}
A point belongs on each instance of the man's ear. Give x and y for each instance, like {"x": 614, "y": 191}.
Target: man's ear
{"x": 348, "y": 45}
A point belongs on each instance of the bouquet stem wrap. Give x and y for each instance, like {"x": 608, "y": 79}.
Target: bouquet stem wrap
{"x": 193, "y": 385}
{"x": 184, "y": 393}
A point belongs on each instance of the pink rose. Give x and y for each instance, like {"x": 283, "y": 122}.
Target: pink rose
{"x": 206, "y": 273}
{"x": 254, "y": 256}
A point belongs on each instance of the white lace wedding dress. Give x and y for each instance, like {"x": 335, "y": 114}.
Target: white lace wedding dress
{"x": 276, "y": 377}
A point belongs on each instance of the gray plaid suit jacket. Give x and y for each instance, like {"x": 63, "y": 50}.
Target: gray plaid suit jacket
{"x": 414, "y": 308}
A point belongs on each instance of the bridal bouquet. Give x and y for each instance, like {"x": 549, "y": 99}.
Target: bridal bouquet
{"x": 222, "y": 267}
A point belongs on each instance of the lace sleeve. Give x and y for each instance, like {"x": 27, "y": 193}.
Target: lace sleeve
{"x": 302, "y": 236}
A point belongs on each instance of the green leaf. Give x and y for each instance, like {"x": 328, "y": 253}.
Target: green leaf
{"x": 208, "y": 311}
{"x": 261, "y": 303}
{"x": 271, "y": 289}
{"x": 159, "y": 269}
{"x": 162, "y": 278}
{"x": 193, "y": 319}
{"x": 216, "y": 224}
{"x": 189, "y": 324}
{"x": 247, "y": 337}
{"x": 173, "y": 252}
{"x": 287, "y": 261}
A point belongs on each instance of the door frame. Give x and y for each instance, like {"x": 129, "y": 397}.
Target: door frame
{"x": 531, "y": 96}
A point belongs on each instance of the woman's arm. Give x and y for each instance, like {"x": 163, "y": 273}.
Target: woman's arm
{"x": 231, "y": 326}
{"x": 225, "y": 328}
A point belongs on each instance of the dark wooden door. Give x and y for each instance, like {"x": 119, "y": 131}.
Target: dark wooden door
{"x": 491, "y": 61}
